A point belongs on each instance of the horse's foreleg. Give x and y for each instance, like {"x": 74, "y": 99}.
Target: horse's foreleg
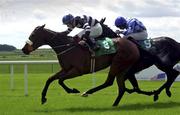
{"x": 109, "y": 81}
{"x": 135, "y": 85}
{"x": 69, "y": 74}
{"x": 67, "y": 89}
{"x": 133, "y": 82}
{"x": 121, "y": 89}
{"x": 48, "y": 82}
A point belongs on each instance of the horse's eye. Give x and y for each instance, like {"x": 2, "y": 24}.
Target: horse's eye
{"x": 32, "y": 35}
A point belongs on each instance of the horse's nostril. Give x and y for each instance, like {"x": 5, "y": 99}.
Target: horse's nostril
{"x": 25, "y": 51}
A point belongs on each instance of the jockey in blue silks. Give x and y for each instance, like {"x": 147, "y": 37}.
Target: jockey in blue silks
{"x": 132, "y": 28}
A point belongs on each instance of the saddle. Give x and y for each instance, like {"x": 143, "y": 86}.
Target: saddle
{"x": 144, "y": 52}
{"x": 105, "y": 46}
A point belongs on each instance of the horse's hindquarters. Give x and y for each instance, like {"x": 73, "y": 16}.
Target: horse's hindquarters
{"x": 127, "y": 55}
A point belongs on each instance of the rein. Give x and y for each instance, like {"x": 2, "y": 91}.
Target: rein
{"x": 66, "y": 50}
{"x": 64, "y": 45}
{"x": 59, "y": 46}
{"x": 92, "y": 68}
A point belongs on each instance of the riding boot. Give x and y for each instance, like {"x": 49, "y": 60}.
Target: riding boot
{"x": 92, "y": 44}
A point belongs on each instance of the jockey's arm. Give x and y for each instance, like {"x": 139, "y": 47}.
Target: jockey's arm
{"x": 87, "y": 30}
{"x": 130, "y": 29}
{"x": 119, "y": 32}
{"x": 67, "y": 31}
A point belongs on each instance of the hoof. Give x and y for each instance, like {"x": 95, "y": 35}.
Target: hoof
{"x": 168, "y": 93}
{"x": 84, "y": 94}
{"x": 156, "y": 97}
{"x": 114, "y": 105}
{"x": 75, "y": 90}
{"x": 43, "y": 100}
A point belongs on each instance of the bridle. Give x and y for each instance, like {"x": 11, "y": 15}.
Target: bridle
{"x": 92, "y": 69}
{"x": 58, "y": 46}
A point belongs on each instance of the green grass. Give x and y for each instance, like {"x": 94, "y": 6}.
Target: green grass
{"x": 13, "y": 102}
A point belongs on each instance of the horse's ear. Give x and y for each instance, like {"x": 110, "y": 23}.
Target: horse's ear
{"x": 43, "y": 26}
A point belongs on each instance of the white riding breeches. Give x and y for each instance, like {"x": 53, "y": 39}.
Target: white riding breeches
{"x": 95, "y": 31}
{"x": 138, "y": 36}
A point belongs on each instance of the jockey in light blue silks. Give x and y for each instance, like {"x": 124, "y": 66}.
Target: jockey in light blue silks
{"x": 133, "y": 28}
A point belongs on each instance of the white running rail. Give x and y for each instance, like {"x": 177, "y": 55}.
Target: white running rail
{"x": 25, "y": 63}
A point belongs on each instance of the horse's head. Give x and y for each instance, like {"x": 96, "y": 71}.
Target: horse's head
{"x": 41, "y": 36}
{"x": 36, "y": 39}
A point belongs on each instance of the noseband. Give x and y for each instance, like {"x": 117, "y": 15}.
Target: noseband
{"x": 58, "y": 46}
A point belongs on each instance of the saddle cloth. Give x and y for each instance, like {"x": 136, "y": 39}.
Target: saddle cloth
{"x": 106, "y": 47}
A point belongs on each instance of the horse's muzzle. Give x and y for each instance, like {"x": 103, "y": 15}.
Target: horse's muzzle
{"x": 27, "y": 49}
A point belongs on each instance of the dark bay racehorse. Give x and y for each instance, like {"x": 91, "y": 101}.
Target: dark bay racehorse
{"x": 75, "y": 61}
{"x": 167, "y": 51}
{"x": 164, "y": 53}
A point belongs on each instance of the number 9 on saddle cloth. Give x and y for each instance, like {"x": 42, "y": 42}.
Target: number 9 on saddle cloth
{"x": 146, "y": 44}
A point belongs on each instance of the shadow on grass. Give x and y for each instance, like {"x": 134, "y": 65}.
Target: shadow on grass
{"x": 132, "y": 107}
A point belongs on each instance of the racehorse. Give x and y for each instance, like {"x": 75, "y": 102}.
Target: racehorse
{"x": 167, "y": 51}
{"x": 74, "y": 65}
{"x": 164, "y": 53}
{"x": 165, "y": 48}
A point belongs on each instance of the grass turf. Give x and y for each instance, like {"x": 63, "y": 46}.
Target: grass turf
{"x": 13, "y": 102}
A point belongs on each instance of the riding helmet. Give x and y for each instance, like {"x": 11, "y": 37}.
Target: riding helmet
{"x": 67, "y": 19}
{"x": 120, "y": 22}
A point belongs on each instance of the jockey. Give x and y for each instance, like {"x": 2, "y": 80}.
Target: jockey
{"x": 92, "y": 28}
{"x": 132, "y": 28}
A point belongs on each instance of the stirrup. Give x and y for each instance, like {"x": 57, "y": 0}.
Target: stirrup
{"x": 91, "y": 51}
{"x": 96, "y": 47}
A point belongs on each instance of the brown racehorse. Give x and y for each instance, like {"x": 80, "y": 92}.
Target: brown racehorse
{"x": 164, "y": 53}
{"x": 75, "y": 61}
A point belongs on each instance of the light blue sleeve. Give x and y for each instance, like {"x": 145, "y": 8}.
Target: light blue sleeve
{"x": 131, "y": 27}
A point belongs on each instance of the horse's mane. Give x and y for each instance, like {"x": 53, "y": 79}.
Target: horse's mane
{"x": 60, "y": 35}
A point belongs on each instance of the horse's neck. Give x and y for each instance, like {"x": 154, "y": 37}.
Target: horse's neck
{"x": 59, "y": 42}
